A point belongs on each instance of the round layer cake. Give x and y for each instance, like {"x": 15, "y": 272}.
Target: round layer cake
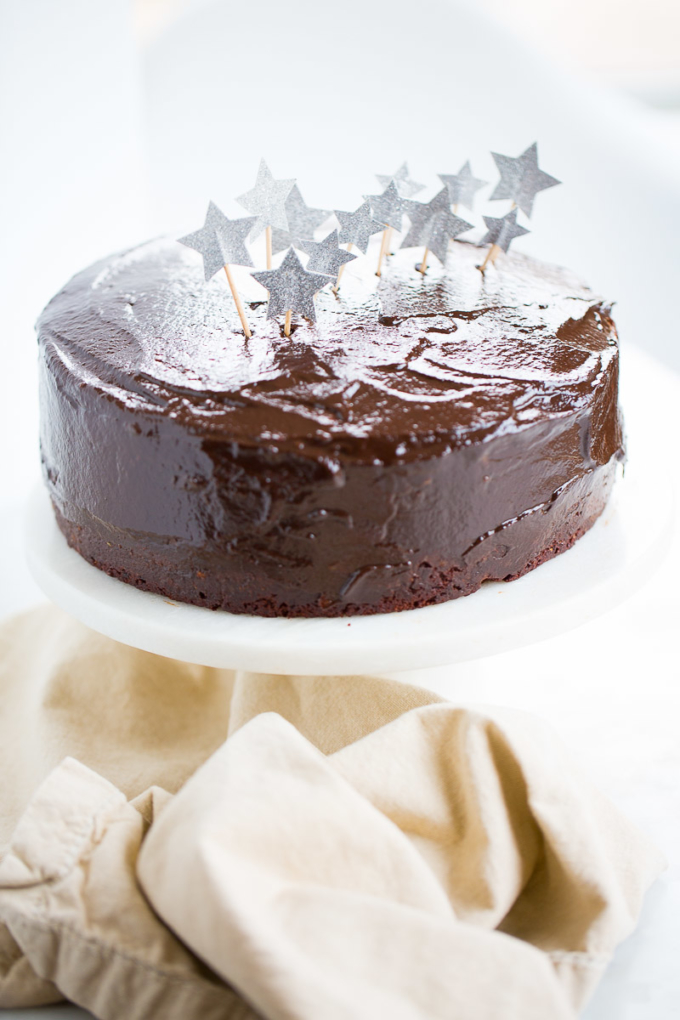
{"x": 424, "y": 436}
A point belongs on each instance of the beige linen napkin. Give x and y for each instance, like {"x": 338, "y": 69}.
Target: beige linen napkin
{"x": 356, "y": 848}
{"x": 70, "y": 900}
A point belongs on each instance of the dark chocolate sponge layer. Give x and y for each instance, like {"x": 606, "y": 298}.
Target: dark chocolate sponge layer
{"x": 423, "y": 437}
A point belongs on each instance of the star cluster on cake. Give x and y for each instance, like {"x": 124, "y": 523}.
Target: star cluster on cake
{"x": 278, "y": 210}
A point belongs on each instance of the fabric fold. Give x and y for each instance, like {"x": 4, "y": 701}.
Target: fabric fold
{"x": 75, "y": 920}
{"x": 319, "y": 905}
{"x": 231, "y": 845}
{"x": 303, "y": 870}
{"x": 142, "y": 720}
{"x": 20, "y": 986}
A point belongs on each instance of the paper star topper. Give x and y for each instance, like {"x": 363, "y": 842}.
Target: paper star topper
{"x": 357, "y": 227}
{"x": 326, "y": 256}
{"x": 503, "y": 230}
{"x": 267, "y": 201}
{"x": 389, "y": 207}
{"x": 302, "y": 219}
{"x": 462, "y": 186}
{"x": 283, "y": 239}
{"x": 221, "y": 241}
{"x": 291, "y": 288}
{"x": 433, "y": 225}
{"x": 406, "y": 187}
{"x": 521, "y": 179}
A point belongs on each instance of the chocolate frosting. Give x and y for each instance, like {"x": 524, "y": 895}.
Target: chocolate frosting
{"x": 389, "y": 456}
{"x": 398, "y": 370}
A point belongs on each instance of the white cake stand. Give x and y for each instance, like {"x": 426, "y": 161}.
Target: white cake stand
{"x": 601, "y": 570}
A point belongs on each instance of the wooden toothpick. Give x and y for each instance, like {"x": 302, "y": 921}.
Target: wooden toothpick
{"x": 268, "y": 233}
{"x": 286, "y": 325}
{"x": 237, "y": 301}
{"x": 422, "y": 268}
{"x": 341, "y": 271}
{"x": 386, "y": 238}
{"x": 221, "y": 243}
{"x": 491, "y": 256}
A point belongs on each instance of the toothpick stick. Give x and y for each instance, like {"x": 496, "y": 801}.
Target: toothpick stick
{"x": 455, "y": 209}
{"x": 341, "y": 271}
{"x": 268, "y": 233}
{"x": 286, "y": 325}
{"x": 387, "y": 234}
{"x": 237, "y": 301}
{"x": 423, "y": 263}
{"x": 491, "y": 256}
{"x": 382, "y": 251}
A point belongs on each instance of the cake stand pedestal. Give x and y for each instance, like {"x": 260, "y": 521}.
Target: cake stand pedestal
{"x": 610, "y": 562}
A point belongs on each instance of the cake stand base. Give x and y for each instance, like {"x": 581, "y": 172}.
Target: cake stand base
{"x": 611, "y": 561}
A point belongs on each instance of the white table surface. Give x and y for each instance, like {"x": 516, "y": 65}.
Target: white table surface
{"x": 611, "y": 688}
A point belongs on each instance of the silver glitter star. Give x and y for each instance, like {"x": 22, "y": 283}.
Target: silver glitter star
{"x": 521, "y": 179}
{"x": 433, "y": 225}
{"x": 221, "y": 241}
{"x": 302, "y": 219}
{"x": 325, "y": 256}
{"x": 357, "y": 227}
{"x": 502, "y": 230}
{"x": 283, "y": 239}
{"x": 406, "y": 187}
{"x": 462, "y": 186}
{"x": 389, "y": 207}
{"x": 291, "y": 288}
{"x": 267, "y": 201}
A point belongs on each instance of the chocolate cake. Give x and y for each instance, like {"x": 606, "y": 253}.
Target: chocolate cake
{"x": 426, "y": 435}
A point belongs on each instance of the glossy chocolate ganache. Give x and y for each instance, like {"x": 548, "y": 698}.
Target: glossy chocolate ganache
{"x": 427, "y": 434}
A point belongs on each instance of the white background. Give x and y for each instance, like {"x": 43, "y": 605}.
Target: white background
{"x": 118, "y": 121}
